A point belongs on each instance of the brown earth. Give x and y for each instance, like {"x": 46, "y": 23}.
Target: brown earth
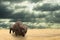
{"x": 32, "y": 34}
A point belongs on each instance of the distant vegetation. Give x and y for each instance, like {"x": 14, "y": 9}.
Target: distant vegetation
{"x": 32, "y": 25}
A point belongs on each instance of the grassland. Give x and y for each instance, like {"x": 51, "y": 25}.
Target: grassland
{"x": 32, "y": 34}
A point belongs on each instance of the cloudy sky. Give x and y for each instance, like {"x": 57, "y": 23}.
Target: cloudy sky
{"x": 29, "y": 6}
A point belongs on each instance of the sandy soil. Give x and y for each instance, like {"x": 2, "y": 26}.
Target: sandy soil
{"x": 32, "y": 34}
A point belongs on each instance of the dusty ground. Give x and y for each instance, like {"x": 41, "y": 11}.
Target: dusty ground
{"x": 32, "y": 34}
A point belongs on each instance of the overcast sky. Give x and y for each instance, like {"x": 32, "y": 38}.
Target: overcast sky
{"x": 31, "y": 6}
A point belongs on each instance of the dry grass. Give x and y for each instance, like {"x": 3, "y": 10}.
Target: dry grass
{"x": 32, "y": 34}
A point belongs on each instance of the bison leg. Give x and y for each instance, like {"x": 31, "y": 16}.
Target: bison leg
{"x": 13, "y": 31}
{"x": 26, "y": 31}
{"x": 10, "y": 30}
{"x": 23, "y": 34}
{"x": 16, "y": 33}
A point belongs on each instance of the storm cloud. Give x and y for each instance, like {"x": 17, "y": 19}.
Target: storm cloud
{"x": 26, "y": 9}
{"x": 35, "y": 1}
{"x": 47, "y": 7}
{"x": 4, "y": 12}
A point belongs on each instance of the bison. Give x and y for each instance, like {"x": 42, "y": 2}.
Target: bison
{"x": 19, "y": 29}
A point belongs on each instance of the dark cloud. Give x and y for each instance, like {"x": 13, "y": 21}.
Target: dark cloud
{"x": 8, "y": 13}
{"x": 4, "y": 13}
{"x": 47, "y": 7}
{"x": 24, "y": 16}
{"x": 21, "y": 0}
{"x": 12, "y": 0}
{"x": 18, "y": 7}
{"x": 35, "y": 1}
{"x": 57, "y": 14}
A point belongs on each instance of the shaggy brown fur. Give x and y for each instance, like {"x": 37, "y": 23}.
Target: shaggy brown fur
{"x": 19, "y": 29}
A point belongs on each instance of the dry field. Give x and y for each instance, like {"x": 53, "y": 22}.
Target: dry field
{"x": 32, "y": 34}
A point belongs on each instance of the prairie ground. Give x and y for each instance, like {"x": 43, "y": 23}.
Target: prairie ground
{"x": 32, "y": 34}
